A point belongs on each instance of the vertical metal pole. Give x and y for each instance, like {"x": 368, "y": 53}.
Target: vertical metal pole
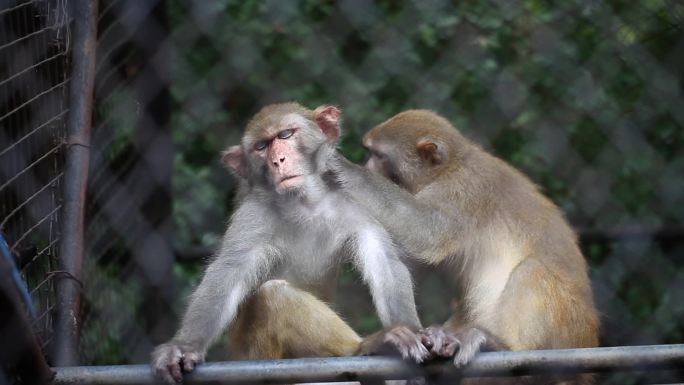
{"x": 71, "y": 252}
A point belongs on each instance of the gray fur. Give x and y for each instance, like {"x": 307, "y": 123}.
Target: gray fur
{"x": 301, "y": 236}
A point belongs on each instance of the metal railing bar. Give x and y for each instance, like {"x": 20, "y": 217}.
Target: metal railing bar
{"x": 588, "y": 360}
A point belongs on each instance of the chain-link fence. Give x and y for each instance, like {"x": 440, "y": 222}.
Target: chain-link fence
{"x": 584, "y": 97}
{"x": 34, "y": 80}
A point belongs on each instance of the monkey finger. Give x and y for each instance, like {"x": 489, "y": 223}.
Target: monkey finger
{"x": 418, "y": 353}
{"x": 427, "y": 341}
{"x": 188, "y": 365}
{"x": 466, "y": 353}
{"x": 166, "y": 376}
{"x": 406, "y": 343}
{"x": 190, "y": 360}
{"x": 434, "y": 339}
{"x": 427, "y": 337}
{"x": 165, "y": 358}
{"x": 461, "y": 360}
{"x": 449, "y": 347}
{"x": 415, "y": 350}
{"x": 471, "y": 341}
{"x": 175, "y": 370}
{"x": 162, "y": 373}
{"x": 412, "y": 346}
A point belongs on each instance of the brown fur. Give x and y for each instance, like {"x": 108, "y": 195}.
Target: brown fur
{"x": 282, "y": 321}
{"x": 523, "y": 275}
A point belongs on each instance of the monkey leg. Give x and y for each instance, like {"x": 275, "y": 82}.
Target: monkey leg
{"x": 282, "y": 321}
{"x": 551, "y": 311}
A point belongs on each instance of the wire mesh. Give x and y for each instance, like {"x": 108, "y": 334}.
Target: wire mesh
{"x": 584, "y": 97}
{"x": 34, "y": 79}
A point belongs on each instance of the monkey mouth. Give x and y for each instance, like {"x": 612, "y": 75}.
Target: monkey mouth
{"x": 289, "y": 181}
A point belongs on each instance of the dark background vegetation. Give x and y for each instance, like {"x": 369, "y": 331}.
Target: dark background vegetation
{"x": 584, "y": 97}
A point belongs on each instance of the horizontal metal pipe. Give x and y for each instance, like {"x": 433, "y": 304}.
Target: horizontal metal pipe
{"x": 627, "y": 358}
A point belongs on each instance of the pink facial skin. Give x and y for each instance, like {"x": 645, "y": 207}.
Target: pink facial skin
{"x": 286, "y": 166}
{"x": 284, "y": 163}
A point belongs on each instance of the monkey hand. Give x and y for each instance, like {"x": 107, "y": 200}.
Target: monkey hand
{"x": 438, "y": 342}
{"x": 470, "y": 342}
{"x": 169, "y": 360}
{"x": 407, "y": 343}
{"x": 463, "y": 345}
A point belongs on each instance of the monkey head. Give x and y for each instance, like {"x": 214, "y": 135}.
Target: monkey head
{"x": 285, "y": 146}
{"x": 413, "y": 148}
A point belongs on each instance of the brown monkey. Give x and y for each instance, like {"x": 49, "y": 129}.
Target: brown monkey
{"x": 294, "y": 221}
{"x": 523, "y": 278}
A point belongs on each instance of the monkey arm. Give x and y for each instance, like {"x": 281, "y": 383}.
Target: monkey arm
{"x": 234, "y": 274}
{"x": 214, "y": 303}
{"x": 243, "y": 263}
{"x": 387, "y": 276}
{"x": 418, "y": 227}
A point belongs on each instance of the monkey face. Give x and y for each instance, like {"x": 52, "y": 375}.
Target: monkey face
{"x": 280, "y": 146}
{"x": 392, "y": 154}
{"x": 281, "y": 153}
{"x": 408, "y": 148}
{"x": 382, "y": 162}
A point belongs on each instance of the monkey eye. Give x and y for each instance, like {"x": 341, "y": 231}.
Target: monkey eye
{"x": 284, "y": 134}
{"x": 260, "y": 145}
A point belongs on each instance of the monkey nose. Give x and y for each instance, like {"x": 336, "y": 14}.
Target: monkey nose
{"x": 281, "y": 161}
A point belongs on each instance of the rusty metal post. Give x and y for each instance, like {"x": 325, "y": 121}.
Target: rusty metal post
{"x": 71, "y": 252}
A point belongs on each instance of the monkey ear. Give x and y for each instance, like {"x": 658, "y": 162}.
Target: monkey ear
{"x": 328, "y": 119}
{"x": 234, "y": 159}
{"x": 431, "y": 151}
